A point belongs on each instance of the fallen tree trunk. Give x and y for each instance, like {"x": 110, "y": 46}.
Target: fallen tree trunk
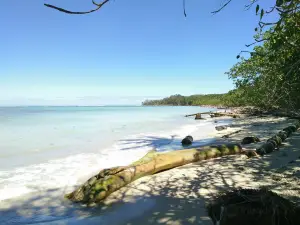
{"x": 109, "y": 180}
{"x": 214, "y": 114}
{"x": 219, "y": 114}
{"x": 195, "y": 114}
{"x": 275, "y": 141}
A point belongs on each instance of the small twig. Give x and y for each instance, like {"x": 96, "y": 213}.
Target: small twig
{"x": 247, "y": 7}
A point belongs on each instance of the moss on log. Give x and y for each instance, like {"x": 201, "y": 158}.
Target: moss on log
{"x": 107, "y": 181}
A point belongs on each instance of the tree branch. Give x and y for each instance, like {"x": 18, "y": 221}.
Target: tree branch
{"x": 214, "y": 12}
{"x": 184, "y": 11}
{"x": 72, "y": 12}
{"x": 247, "y": 7}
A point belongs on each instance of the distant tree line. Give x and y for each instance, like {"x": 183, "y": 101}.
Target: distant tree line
{"x": 193, "y": 100}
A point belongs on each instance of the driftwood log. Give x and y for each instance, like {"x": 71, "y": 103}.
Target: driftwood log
{"x": 107, "y": 181}
{"x": 198, "y": 117}
{"x": 274, "y": 142}
{"x": 110, "y": 180}
{"x": 214, "y": 114}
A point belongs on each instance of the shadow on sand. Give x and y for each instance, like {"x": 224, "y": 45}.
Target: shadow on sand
{"x": 171, "y": 197}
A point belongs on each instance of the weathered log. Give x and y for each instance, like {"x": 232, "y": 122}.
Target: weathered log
{"x": 195, "y": 114}
{"x": 265, "y": 148}
{"x": 198, "y": 117}
{"x": 109, "y": 180}
{"x": 216, "y": 114}
{"x": 188, "y": 140}
{"x": 283, "y": 135}
{"x": 274, "y": 142}
{"x": 288, "y": 130}
{"x": 276, "y": 139}
{"x": 191, "y": 115}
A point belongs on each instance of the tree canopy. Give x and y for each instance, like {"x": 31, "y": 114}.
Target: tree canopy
{"x": 270, "y": 77}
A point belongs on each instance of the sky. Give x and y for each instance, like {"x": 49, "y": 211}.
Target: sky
{"x": 129, "y": 51}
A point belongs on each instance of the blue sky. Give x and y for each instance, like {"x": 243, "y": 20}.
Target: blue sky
{"x": 126, "y": 52}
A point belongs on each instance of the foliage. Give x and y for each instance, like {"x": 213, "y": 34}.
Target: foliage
{"x": 176, "y": 100}
{"x": 270, "y": 77}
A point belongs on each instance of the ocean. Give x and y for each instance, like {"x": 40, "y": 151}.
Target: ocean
{"x": 45, "y": 148}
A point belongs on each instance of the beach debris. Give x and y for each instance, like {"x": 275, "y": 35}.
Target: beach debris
{"x": 215, "y": 114}
{"x": 228, "y": 135}
{"x": 250, "y": 153}
{"x": 219, "y": 128}
{"x": 110, "y": 180}
{"x": 188, "y": 140}
{"x": 252, "y": 206}
{"x": 249, "y": 140}
{"x": 198, "y": 117}
{"x": 265, "y": 148}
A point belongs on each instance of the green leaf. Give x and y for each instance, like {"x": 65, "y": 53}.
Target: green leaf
{"x": 257, "y": 8}
{"x": 238, "y": 56}
{"x": 279, "y": 3}
{"x": 262, "y": 13}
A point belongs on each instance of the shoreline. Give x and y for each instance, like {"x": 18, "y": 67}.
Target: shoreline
{"x": 178, "y": 195}
{"x": 192, "y": 185}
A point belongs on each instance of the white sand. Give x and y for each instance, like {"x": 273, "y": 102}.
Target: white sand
{"x": 178, "y": 196}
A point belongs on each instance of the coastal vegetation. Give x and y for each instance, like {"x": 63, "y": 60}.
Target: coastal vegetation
{"x": 268, "y": 76}
{"x": 193, "y": 100}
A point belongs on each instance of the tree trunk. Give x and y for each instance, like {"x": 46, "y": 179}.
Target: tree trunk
{"x": 109, "y": 180}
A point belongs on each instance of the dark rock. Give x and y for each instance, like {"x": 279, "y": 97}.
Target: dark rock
{"x": 249, "y": 140}
{"x": 188, "y": 140}
{"x": 219, "y": 128}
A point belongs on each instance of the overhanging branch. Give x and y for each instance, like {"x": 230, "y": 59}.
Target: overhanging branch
{"x": 99, "y": 5}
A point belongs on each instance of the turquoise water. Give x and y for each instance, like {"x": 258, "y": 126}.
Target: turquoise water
{"x": 57, "y": 147}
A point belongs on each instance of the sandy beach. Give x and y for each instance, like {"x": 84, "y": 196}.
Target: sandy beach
{"x": 178, "y": 196}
